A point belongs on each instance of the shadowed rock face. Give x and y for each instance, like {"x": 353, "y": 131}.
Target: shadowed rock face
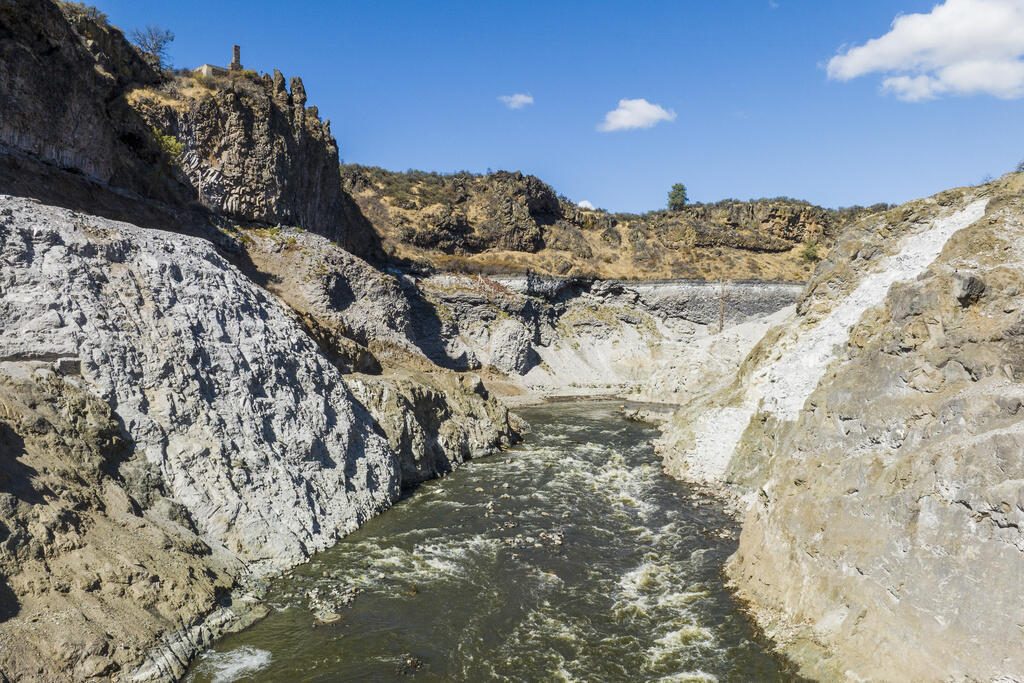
{"x": 74, "y": 93}
{"x": 62, "y": 80}
{"x": 252, "y": 151}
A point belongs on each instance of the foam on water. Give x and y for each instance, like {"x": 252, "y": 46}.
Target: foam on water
{"x": 571, "y": 558}
{"x": 225, "y": 667}
{"x": 442, "y": 560}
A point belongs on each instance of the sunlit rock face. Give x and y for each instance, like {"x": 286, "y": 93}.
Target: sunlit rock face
{"x": 216, "y": 384}
{"x": 877, "y": 438}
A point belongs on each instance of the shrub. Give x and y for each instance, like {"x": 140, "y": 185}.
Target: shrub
{"x": 153, "y": 41}
{"x": 208, "y": 82}
{"x": 170, "y": 147}
{"x": 810, "y": 251}
{"x": 82, "y": 9}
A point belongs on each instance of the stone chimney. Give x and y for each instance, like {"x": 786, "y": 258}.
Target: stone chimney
{"x": 236, "y": 58}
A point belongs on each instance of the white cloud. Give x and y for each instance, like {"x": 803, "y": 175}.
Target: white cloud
{"x": 585, "y": 204}
{"x": 632, "y": 114}
{"x": 961, "y": 47}
{"x": 517, "y": 101}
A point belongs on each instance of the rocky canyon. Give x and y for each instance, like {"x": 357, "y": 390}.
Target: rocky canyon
{"x": 222, "y": 351}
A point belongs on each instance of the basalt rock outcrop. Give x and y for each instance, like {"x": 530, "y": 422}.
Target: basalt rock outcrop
{"x": 62, "y": 82}
{"x": 76, "y": 95}
{"x": 877, "y": 438}
{"x": 503, "y": 223}
{"x": 254, "y": 152}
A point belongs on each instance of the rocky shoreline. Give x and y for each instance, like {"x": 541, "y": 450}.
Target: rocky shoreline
{"x": 873, "y": 439}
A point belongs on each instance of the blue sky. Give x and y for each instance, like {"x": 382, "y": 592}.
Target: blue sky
{"x": 416, "y": 84}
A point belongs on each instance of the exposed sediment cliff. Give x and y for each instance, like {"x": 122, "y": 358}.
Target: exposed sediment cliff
{"x": 876, "y": 433}
{"x": 530, "y": 336}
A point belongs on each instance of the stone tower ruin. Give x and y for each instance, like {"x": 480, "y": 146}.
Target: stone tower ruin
{"x": 236, "y": 59}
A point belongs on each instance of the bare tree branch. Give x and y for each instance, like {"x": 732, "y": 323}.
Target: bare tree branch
{"x": 154, "y": 42}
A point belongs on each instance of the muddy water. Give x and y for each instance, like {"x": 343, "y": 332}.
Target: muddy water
{"x": 571, "y": 557}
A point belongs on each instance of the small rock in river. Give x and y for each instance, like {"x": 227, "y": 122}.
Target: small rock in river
{"x": 409, "y": 665}
{"x": 478, "y": 489}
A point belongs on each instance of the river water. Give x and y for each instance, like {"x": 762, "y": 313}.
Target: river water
{"x": 571, "y": 557}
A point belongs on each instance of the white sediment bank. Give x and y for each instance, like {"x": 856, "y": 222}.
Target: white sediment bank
{"x": 782, "y": 384}
{"x": 650, "y": 341}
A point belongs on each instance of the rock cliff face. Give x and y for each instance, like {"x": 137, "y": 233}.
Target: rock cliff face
{"x": 504, "y": 223}
{"x": 91, "y": 579}
{"x": 253, "y": 151}
{"x": 61, "y": 96}
{"x": 210, "y": 414}
{"x": 877, "y": 434}
{"x": 580, "y": 336}
{"x": 74, "y": 93}
{"x": 192, "y": 356}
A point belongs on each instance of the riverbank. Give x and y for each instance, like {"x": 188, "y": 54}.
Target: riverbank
{"x": 569, "y": 555}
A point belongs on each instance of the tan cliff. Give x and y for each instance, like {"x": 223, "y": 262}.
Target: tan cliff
{"x": 875, "y": 436}
{"x": 503, "y": 223}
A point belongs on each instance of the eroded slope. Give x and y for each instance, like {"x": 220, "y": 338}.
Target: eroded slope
{"x": 878, "y": 437}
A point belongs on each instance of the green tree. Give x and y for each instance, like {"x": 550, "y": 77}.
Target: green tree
{"x": 677, "y": 197}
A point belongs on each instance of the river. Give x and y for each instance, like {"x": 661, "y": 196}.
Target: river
{"x": 570, "y": 557}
